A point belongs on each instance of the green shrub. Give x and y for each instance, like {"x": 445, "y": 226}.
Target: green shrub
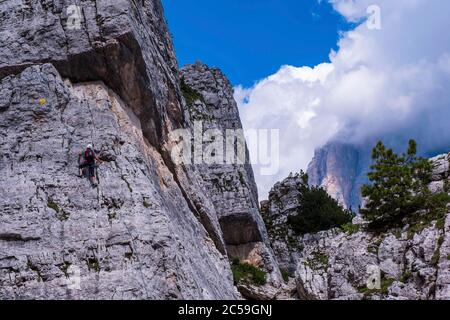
{"x": 285, "y": 275}
{"x": 93, "y": 264}
{"x": 52, "y": 205}
{"x": 400, "y": 188}
{"x": 437, "y": 253}
{"x": 406, "y": 277}
{"x": 350, "y": 228}
{"x": 435, "y": 258}
{"x": 146, "y": 204}
{"x": 440, "y": 223}
{"x": 318, "y": 261}
{"x": 420, "y": 221}
{"x": 447, "y": 185}
{"x": 65, "y": 267}
{"x": 317, "y": 210}
{"x": 61, "y": 214}
{"x": 244, "y": 272}
{"x": 190, "y": 95}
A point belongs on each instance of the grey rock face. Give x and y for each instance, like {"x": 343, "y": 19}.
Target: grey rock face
{"x": 230, "y": 186}
{"x": 441, "y": 167}
{"x": 123, "y": 43}
{"x": 340, "y": 169}
{"x": 407, "y": 264}
{"x": 219, "y": 112}
{"x": 283, "y": 202}
{"x": 153, "y": 229}
{"x": 133, "y": 237}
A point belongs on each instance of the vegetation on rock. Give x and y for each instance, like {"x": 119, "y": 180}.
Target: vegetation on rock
{"x": 190, "y": 95}
{"x": 317, "y": 210}
{"x": 285, "y": 274}
{"x": 386, "y": 283}
{"x": 245, "y": 272}
{"x": 351, "y": 228}
{"x": 399, "y": 189}
{"x": 318, "y": 261}
{"x": 60, "y": 213}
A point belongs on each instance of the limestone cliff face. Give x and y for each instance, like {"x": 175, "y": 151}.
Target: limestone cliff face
{"x": 230, "y": 186}
{"x": 406, "y": 264}
{"x": 153, "y": 229}
{"x": 340, "y": 169}
{"x": 133, "y": 237}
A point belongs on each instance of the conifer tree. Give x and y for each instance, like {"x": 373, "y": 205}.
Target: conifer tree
{"x": 317, "y": 210}
{"x": 399, "y": 187}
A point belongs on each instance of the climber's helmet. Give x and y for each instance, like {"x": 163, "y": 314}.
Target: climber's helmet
{"x": 89, "y": 146}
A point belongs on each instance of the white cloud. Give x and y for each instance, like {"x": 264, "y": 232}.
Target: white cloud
{"x": 392, "y": 82}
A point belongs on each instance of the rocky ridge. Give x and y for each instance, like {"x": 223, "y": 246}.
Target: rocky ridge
{"x": 230, "y": 186}
{"x": 412, "y": 263}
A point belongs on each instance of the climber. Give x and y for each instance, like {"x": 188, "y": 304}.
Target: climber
{"x": 88, "y": 159}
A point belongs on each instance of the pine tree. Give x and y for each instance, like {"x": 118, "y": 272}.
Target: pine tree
{"x": 399, "y": 187}
{"x": 317, "y": 211}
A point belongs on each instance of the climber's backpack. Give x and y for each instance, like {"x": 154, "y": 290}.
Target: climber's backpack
{"x": 89, "y": 155}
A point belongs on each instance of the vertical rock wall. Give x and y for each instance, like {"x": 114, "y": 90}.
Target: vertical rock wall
{"x": 152, "y": 229}
{"x": 230, "y": 186}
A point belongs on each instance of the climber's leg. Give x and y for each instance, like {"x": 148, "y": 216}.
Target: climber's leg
{"x": 92, "y": 177}
{"x": 81, "y": 168}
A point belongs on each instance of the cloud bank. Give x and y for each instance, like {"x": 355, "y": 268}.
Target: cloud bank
{"x": 391, "y": 83}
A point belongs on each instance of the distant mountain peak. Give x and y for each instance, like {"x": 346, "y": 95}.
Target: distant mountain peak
{"x": 341, "y": 169}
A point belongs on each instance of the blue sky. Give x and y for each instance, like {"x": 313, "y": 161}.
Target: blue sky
{"x": 388, "y": 78}
{"x": 251, "y": 39}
